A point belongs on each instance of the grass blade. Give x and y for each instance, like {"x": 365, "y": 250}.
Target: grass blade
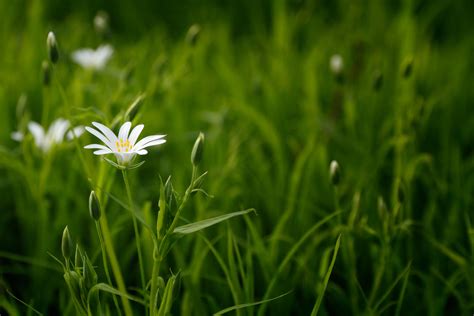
{"x": 326, "y": 278}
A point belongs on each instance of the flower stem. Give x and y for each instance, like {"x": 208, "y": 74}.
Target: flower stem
{"x": 106, "y": 267}
{"x": 114, "y": 263}
{"x": 135, "y": 227}
{"x": 185, "y": 199}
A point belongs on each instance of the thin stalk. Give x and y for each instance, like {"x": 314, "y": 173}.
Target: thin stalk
{"x": 106, "y": 267}
{"x": 135, "y": 228}
{"x": 114, "y": 264}
{"x": 185, "y": 200}
{"x": 154, "y": 281}
{"x": 157, "y": 256}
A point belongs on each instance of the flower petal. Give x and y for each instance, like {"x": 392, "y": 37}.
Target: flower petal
{"x": 18, "y": 136}
{"x": 142, "y": 152}
{"x": 152, "y": 143}
{"x": 124, "y": 130}
{"x": 146, "y": 140}
{"x": 96, "y": 146}
{"x": 103, "y": 151}
{"x": 135, "y": 133}
{"x": 106, "y": 131}
{"x": 75, "y": 132}
{"x": 38, "y": 133}
{"x": 100, "y": 136}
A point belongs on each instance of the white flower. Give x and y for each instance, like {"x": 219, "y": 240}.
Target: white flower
{"x": 55, "y": 134}
{"x": 124, "y": 146}
{"x": 93, "y": 59}
{"x": 336, "y": 64}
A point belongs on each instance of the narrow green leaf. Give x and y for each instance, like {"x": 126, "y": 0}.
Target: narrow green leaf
{"x": 326, "y": 278}
{"x": 239, "y": 306}
{"x": 197, "y": 226}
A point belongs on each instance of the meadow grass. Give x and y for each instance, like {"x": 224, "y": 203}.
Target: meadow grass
{"x": 393, "y": 236}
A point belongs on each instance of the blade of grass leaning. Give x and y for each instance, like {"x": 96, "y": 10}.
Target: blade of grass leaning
{"x": 405, "y": 271}
{"x": 197, "y": 226}
{"x": 109, "y": 289}
{"x": 239, "y": 306}
{"x": 326, "y": 278}
{"x": 290, "y": 255}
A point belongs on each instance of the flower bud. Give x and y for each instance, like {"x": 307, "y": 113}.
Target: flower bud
{"x": 66, "y": 244}
{"x": 52, "y": 45}
{"x": 46, "y": 71}
{"x": 94, "y": 206}
{"x": 196, "y": 154}
{"x": 193, "y": 34}
{"x": 334, "y": 172}
{"x": 101, "y": 23}
{"x": 336, "y": 64}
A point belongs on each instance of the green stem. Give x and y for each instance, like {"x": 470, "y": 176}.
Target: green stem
{"x": 135, "y": 228}
{"x": 154, "y": 281}
{"x": 106, "y": 267}
{"x": 185, "y": 199}
{"x": 114, "y": 263}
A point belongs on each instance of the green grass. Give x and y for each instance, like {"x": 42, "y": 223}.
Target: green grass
{"x": 257, "y": 83}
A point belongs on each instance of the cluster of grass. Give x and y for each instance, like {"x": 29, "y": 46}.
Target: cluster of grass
{"x": 394, "y": 236}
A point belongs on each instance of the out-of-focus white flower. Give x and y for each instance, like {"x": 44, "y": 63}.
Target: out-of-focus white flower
{"x": 55, "y": 134}
{"x": 336, "y": 64}
{"x": 93, "y": 59}
{"x": 124, "y": 146}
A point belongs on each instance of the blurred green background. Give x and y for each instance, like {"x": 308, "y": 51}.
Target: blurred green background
{"x": 257, "y": 81}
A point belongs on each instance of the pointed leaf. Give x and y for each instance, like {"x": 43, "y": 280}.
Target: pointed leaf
{"x": 197, "y": 226}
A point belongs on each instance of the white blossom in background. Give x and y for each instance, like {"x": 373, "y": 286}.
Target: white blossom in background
{"x": 336, "y": 64}
{"x": 57, "y": 131}
{"x": 93, "y": 59}
{"x": 124, "y": 145}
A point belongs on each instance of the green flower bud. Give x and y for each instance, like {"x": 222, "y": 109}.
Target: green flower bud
{"x": 193, "y": 34}
{"x": 66, "y": 244}
{"x": 334, "y": 172}
{"x": 52, "y": 45}
{"x": 101, "y": 23}
{"x": 94, "y": 206}
{"x": 46, "y": 71}
{"x": 196, "y": 154}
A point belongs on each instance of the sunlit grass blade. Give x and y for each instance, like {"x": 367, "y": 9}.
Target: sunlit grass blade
{"x": 197, "y": 226}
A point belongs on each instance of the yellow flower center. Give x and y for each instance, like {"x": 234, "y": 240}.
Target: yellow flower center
{"x": 123, "y": 146}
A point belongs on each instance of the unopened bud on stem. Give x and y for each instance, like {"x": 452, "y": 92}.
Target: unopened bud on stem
{"x": 52, "y": 45}
{"x": 193, "y": 34}
{"x": 94, "y": 206}
{"x": 334, "y": 172}
{"x": 196, "y": 154}
{"x": 66, "y": 244}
